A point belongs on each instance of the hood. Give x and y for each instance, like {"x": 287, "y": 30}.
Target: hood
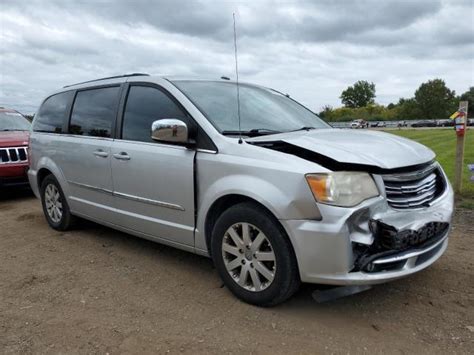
{"x": 14, "y": 138}
{"x": 383, "y": 150}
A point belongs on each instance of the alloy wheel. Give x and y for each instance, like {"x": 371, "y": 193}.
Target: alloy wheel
{"x": 248, "y": 257}
{"x": 54, "y": 206}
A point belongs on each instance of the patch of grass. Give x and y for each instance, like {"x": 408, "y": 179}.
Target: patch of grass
{"x": 443, "y": 143}
{"x": 466, "y": 203}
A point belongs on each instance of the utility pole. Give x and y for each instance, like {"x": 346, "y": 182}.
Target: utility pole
{"x": 461, "y": 129}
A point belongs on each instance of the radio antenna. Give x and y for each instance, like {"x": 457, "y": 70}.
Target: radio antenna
{"x": 237, "y": 79}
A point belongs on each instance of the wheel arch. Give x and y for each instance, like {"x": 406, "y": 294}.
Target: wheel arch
{"x": 222, "y": 204}
{"x": 41, "y": 175}
{"x": 47, "y": 166}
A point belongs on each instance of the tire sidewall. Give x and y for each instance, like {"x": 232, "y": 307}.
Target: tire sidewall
{"x": 284, "y": 257}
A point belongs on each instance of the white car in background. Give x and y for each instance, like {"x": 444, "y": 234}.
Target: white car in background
{"x": 359, "y": 124}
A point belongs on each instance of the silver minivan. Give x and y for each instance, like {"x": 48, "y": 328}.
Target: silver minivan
{"x": 261, "y": 184}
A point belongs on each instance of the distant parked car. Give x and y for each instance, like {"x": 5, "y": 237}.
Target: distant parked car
{"x": 359, "y": 124}
{"x": 14, "y": 135}
{"x": 445, "y": 123}
{"x": 402, "y": 124}
{"x": 424, "y": 123}
{"x": 380, "y": 124}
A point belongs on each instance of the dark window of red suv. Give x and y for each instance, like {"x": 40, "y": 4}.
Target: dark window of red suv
{"x": 52, "y": 114}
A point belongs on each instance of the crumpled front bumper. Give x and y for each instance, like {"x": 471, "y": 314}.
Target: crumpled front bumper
{"x": 326, "y": 250}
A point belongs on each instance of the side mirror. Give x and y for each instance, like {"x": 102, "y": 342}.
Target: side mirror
{"x": 169, "y": 130}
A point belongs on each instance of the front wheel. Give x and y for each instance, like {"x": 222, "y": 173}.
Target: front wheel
{"x": 254, "y": 256}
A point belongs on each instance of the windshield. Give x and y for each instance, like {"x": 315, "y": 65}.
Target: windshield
{"x": 13, "y": 121}
{"x": 261, "y": 110}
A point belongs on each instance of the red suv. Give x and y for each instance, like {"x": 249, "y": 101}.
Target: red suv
{"x": 14, "y": 135}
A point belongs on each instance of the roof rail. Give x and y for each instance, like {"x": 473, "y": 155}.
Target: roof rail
{"x": 110, "y": 77}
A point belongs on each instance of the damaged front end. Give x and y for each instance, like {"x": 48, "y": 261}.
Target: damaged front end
{"x": 414, "y": 226}
{"x": 392, "y": 248}
{"x": 398, "y": 233}
{"x": 372, "y": 242}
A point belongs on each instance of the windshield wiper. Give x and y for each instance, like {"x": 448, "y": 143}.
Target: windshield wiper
{"x": 252, "y": 132}
{"x": 304, "y": 128}
{"x": 12, "y": 130}
{"x": 264, "y": 130}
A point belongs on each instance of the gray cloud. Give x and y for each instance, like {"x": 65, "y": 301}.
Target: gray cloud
{"x": 318, "y": 21}
{"x": 312, "y": 50}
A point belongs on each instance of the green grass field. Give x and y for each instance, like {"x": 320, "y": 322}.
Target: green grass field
{"x": 443, "y": 143}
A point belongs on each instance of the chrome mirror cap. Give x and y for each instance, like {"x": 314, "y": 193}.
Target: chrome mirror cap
{"x": 169, "y": 130}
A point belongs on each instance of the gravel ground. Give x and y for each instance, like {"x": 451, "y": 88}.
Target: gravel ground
{"x": 96, "y": 290}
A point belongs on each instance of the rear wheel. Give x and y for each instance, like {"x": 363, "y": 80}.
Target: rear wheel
{"x": 55, "y": 207}
{"x": 254, "y": 256}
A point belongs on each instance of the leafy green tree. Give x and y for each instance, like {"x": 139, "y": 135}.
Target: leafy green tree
{"x": 435, "y": 100}
{"x": 361, "y": 94}
{"x": 325, "y": 111}
{"x": 469, "y": 96}
{"x": 340, "y": 114}
{"x": 407, "y": 109}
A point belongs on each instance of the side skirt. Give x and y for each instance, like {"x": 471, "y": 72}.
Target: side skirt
{"x": 139, "y": 234}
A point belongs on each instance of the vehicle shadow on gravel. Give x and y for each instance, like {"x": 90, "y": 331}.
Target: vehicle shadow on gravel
{"x": 15, "y": 194}
{"x": 109, "y": 237}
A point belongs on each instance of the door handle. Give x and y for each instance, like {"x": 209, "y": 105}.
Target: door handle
{"x": 122, "y": 156}
{"x": 101, "y": 153}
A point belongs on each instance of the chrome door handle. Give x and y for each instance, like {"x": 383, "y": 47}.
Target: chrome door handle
{"x": 122, "y": 156}
{"x": 101, "y": 153}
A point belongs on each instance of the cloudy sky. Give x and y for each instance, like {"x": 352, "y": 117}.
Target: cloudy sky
{"x": 309, "y": 49}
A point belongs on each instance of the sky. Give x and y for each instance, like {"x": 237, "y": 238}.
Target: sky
{"x": 311, "y": 50}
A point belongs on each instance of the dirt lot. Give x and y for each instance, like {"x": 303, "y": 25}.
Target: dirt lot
{"x": 95, "y": 290}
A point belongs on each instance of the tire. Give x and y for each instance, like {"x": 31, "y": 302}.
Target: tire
{"x": 265, "y": 266}
{"x": 58, "y": 216}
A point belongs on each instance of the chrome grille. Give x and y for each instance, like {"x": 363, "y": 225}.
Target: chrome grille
{"x": 13, "y": 155}
{"x": 415, "y": 189}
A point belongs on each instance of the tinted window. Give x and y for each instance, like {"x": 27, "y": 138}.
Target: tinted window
{"x": 52, "y": 113}
{"x": 94, "y": 112}
{"x": 145, "y": 105}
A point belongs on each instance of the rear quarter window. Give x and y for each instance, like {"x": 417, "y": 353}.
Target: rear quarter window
{"x": 53, "y": 113}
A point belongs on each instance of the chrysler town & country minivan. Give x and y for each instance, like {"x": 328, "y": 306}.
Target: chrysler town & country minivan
{"x": 276, "y": 198}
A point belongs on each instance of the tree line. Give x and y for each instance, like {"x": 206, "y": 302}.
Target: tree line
{"x": 432, "y": 100}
